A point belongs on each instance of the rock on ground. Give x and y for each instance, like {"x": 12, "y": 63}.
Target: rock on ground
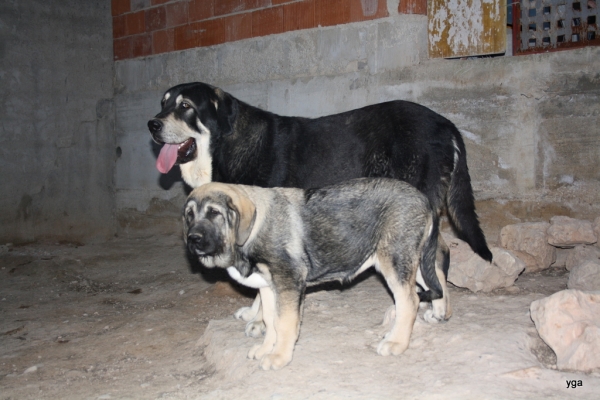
{"x": 569, "y": 322}
{"x": 596, "y": 227}
{"x": 568, "y": 232}
{"x": 561, "y": 257}
{"x": 470, "y": 271}
{"x": 585, "y": 276}
{"x": 532, "y": 238}
{"x": 580, "y": 254}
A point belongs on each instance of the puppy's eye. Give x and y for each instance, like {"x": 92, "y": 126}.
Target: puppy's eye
{"x": 213, "y": 212}
{"x": 185, "y": 104}
{"x": 189, "y": 214}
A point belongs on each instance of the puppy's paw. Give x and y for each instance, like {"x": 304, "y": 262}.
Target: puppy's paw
{"x": 258, "y": 351}
{"x": 431, "y": 317}
{"x": 245, "y": 313}
{"x": 274, "y": 361}
{"x": 387, "y": 348}
{"x": 255, "y": 329}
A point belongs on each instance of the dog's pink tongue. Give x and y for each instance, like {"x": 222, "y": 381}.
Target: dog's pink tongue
{"x": 167, "y": 157}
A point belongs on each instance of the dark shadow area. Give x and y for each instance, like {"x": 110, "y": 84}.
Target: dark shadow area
{"x": 211, "y": 275}
{"x": 336, "y": 285}
{"x": 214, "y": 275}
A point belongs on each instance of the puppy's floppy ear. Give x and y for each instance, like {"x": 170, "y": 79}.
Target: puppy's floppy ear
{"x": 185, "y": 219}
{"x": 246, "y": 214}
{"x": 227, "y": 111}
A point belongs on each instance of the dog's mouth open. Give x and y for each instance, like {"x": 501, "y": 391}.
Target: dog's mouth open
{"x": 172, "y": 154}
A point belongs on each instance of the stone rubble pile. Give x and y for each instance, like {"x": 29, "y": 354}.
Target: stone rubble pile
{"x": 568, "y": 321}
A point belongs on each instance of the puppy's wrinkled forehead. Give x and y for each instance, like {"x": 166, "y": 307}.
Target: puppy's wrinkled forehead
{"x": 198, "y": 201}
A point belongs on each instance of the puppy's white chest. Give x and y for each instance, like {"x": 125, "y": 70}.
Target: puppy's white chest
{"x": 255, "y": 280}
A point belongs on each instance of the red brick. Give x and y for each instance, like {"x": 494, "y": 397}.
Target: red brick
{"x": 122, "y": 48}
{"x": 156, "y": 19}
{"x": 357, "y": 12}
{"x": 211, "y": 32}
{"x": 413, "y": 7}
{"x": 268, "y": 21}
{"x": 201, "y": 9}
{"x": 142, "y": 45}
{"x": 163, "y": 41}
{"x": 155, "y": 2}
{"x": 120, "y": 7}
{"x": 332, "y": 12}
{"x": 135, "y": 23}
{"x": 119, "y": 27}
{"x": 177, "y": 13}
{"x": 255, "y": 4}
{"x": 299, "y": 15}
{"x": 184, "y": 38}
{"x": 237, "y": 27}
{"x": 223, "y": 7}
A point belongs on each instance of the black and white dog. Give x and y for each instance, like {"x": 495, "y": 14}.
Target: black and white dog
{"x": 215, "y": 137}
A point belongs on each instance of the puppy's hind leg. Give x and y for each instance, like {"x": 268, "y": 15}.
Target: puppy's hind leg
{"x": 406, "y": 300}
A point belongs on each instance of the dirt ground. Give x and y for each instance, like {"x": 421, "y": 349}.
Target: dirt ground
{"x": 134, "y": 319}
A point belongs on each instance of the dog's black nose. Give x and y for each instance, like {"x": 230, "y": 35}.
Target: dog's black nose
{"x": 199, "y": 244}
{"x": 155, "y": 126}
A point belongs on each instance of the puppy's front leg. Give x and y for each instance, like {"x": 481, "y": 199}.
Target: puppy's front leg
{"x": 267, "y": 300}
{"x": 249, "y": 313}
{"x": 253, "y": 315}
{"x": 287, "y": 326}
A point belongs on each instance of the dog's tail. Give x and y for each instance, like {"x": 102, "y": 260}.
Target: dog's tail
{"x": 428, "y": 257}
{"x": 460, "y": 203}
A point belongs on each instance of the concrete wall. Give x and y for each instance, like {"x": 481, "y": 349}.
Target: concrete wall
{"x": 531, "y": 123}
{"x": 57, "y": 149}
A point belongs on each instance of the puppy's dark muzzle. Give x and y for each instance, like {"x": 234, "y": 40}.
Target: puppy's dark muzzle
{"x": 156, "y": 126}
{"x": 201, "y": 244}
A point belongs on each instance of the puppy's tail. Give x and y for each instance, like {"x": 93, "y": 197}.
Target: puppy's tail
{"x": 428, "y": 258}
{"x": 461, "y": 203}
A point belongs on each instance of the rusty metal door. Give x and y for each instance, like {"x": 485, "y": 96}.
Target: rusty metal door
{"x": 462, "y": 28}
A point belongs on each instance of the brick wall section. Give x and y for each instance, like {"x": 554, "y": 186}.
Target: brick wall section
{"x": 145, "y": 27}
{"x": 413, "y": 7}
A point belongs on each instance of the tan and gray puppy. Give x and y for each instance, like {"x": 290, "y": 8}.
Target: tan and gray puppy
{"x": 281, "y": 240}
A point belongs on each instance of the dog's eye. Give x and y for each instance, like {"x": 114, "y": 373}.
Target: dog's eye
{"x": 213, "y": 212}
{"x": 190, "y": 214}
{"x": 185, "y": 104}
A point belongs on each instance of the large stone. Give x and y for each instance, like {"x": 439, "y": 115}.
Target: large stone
{"x": 569, "y": 322}
{"x": 530, "y": 237}
{"x": 585, "y": 276}
{"x": 470, "y": 271}
{"x": 531, "y": 263}
{"x": 561, "y": 257}
{"x": 580, "y": 254}
{"x": 596, "y": 227}
{"x": 568, "y": 232}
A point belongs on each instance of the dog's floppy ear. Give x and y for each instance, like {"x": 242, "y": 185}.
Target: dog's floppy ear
{"x": 227, "y": 111}
{"x": 246, "y": 214}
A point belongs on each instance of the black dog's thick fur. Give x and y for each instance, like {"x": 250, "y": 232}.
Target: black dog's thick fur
{"x": 396, "y": 139}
